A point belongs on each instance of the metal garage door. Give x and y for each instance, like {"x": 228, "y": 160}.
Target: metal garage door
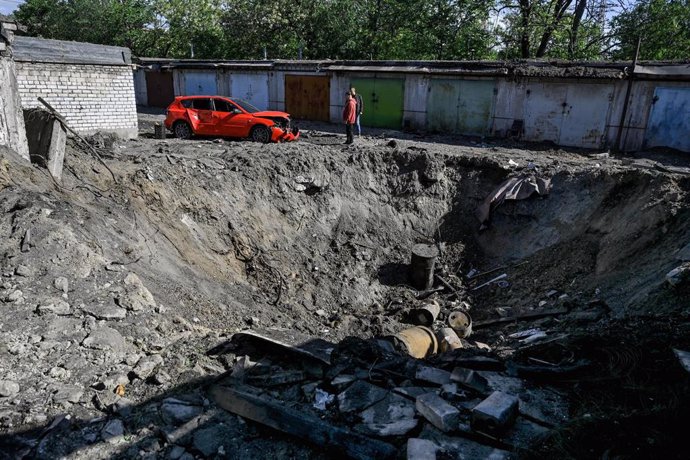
{"x": 307, "y": 97}
{"x": 460, "y": 106}
{"x": 572, "y": 115}
{"x": 159, "y": 88}
{"x": 669, "y": 121}
{"x": 200, "y": 83}
{"x": 253, "y": 88}
{"x": 383, "y": 101}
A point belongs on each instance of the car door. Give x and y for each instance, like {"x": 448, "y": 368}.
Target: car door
{"x": 230, "y": 120}
{"x": 201, "y": 116}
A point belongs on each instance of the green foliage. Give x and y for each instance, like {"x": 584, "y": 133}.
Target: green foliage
{"x": 113, "y": 22}
{"x": 364, "y": 29}
{"x": 664, "y": 26}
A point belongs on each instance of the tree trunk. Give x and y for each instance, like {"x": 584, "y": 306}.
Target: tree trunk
{"x": 525, "y": 10}
{"x": 574, "y": 29}
{"x": 558, "y": 12}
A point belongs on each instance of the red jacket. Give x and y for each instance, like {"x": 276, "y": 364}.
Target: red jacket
{"x": 350, "y": 111}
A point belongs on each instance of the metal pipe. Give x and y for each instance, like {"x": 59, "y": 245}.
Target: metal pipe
{"x": 626, "y": 102}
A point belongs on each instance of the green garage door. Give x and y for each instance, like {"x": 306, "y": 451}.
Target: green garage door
{"x": 383, "y": 101}
{"x": 460, "y": 106}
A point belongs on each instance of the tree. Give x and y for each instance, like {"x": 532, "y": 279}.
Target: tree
{"x": 568, "y": 29}
{"x": 129, "y": 23}
{"x": 664, "y": 26}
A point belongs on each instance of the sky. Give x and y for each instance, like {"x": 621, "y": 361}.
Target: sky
{"x": 7, "y": 6}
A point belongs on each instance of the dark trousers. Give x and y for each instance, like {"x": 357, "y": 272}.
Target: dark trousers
{"x": 350, "y": 132}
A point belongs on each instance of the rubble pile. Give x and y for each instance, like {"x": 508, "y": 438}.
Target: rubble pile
{"x": 373, "y": 403}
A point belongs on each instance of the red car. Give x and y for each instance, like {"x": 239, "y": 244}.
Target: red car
{"x": 224, "y": 116}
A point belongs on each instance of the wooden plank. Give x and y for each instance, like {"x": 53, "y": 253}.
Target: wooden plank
{"x": 270, "y": 413}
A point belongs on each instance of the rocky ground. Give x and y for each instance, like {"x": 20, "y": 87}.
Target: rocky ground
{"x": 117, "y": 281}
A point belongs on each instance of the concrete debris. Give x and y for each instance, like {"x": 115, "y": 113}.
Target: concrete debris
{"x": 421, "y": 449}
{"x": 322, "y": 399}
{"x": 177, "y": 411}
{"x": 113, "y": 431}
{"x": 470, "y": 379}
{"x": 496, "y": 413}
{"x": 360, "y": 395}
{"x": 392, "y": 416}
{"x": 57, "y": 307}
{"x": 438, "y": 412}
{"x": 432, "y": 375}
{"x": 147, "y": 365}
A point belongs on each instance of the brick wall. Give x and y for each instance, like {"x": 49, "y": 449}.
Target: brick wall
{"x": 91, "y": 97}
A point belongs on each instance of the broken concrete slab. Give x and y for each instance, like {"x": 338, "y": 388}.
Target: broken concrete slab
{"x": 269, "y": 412}
{"x": 432, "y": 375}
{"x": 359, "y": 396}
{"x": 421, "y": 449}
{"x": 105, "y": 338}
{"x": 146, "y": 365}
{"x": 438, "y": 412}
{"x": 392, "y": 416}
{"x": 470, "y": 379}
{"x": 496, "y": 413}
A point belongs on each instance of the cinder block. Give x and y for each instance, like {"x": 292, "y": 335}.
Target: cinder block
{"x": 438, "y": 412}
{"x": 496, "y": 413}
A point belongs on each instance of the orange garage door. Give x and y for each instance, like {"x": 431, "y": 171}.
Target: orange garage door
{"x": 307, "y": 97}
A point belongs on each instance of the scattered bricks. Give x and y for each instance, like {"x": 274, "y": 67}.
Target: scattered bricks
{"x": 496, "y": 413}
{"x": 438, "y": 412}
{"x": 421, "y": 449}
{"x": 433, "y": 375}
{"x": 470, "y": 379}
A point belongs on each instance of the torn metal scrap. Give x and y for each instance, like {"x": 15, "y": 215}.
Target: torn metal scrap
{"x": 288, "y": 341}
{"x": 269, "y": 412}
{"x": 515, "y": 188}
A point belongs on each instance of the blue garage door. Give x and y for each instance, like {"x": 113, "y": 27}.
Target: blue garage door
{"x": 669, "y": 122}
{"x": 200, "y": 84}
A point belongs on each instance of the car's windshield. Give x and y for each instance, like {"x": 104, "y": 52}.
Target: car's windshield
{"x": 246, "y": 105}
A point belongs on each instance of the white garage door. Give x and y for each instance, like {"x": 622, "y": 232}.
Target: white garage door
{"x": 253, "y": 88}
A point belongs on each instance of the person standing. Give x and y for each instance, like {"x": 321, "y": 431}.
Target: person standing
{"x": 349, "y": 117}
{"x": 360, "y": 108}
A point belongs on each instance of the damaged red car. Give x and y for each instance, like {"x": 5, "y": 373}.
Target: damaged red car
{"x": 189, "y": 116}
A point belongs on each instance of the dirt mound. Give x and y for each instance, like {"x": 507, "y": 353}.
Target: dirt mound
{"x": 130, "y": 282}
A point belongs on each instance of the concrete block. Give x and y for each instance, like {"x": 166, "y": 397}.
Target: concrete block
{"x": 438, "y": 412}
{"x": 470, "y": 379}
{"x": 421, "y": 449}
{"x": 496, "y": 413}
{"x": 433, "y": 375}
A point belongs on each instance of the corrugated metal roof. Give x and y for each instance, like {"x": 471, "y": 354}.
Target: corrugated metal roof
{"x": 31, "y": 49}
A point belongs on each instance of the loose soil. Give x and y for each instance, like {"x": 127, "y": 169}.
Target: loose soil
{"x": 192, "y": 241}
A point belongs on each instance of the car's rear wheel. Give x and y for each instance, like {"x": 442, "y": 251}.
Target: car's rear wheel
{"x": 260, "y": 133}
{"x": 182, "y": 130}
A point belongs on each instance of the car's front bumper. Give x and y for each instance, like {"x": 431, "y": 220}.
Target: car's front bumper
{"x": 284, "y": 135}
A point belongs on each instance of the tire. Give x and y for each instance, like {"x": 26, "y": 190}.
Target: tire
{"x": 260, "y": 133}
{"x": 182, "y": 130}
